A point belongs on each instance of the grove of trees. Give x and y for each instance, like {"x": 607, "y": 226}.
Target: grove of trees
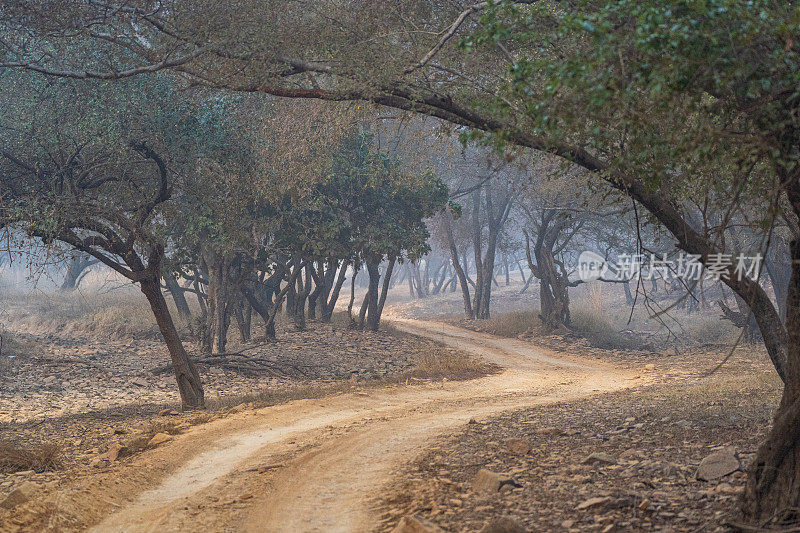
{"x": 689, "y": 110}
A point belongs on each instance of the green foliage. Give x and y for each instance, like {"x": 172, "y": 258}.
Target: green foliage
{"x": 365, "y": 207}
{"x": 699, "y": 94}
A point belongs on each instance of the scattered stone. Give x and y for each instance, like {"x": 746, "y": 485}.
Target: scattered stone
{"x": 518, "y": 446}
{"x": 139, "y": 382}
{"x": 159, "y": 438}
{"x": 600, "y": 458}
{"x": 111, "y": 455}
{"x": 718, "y": 464}
{"x": 415, "y": 524}
{"x": 549, "y": 432}
{"x": 99, "y": 461}
{"x": 19, "y": 495}
{"x": 644, "y": 505}
{"x": 609, "y": 528}
{"x": 630, "y": 453}
{"x": 650, "y": 367}
{"x": 592, "y": 503}
{"x": 168, "y": 412}
{"x": 503, "y": 524}
{"x": 670, "y": 470}
{"x": 567, "y": 524}
{"x": 488, "y": 481}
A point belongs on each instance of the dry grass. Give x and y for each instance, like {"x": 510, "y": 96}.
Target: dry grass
{"x": 39, "y": 458}
{"x": 602, "y": 333}
{"x": 10, "y": 347}
{"x": 125, "y": 320}
{"x": 120, "y": 313}
{"x": 511, "y": 324}
{"x": 598, "y": 329}
{"x": 436, "y": 364}
{"x": 703, "y": 329}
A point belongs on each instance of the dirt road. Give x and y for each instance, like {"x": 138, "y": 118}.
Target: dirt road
{"x": 317, "y": 465}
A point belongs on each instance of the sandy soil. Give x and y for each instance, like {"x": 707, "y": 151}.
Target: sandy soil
{"x": 319, "y": 465}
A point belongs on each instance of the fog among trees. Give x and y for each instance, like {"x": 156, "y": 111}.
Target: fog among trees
{"x": 285, "y": 175}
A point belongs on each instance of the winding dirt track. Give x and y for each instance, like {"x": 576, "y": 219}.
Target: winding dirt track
{"x": 317, "y": 465}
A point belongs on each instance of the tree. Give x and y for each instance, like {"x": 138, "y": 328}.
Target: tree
{"x": 77, "y": 268}
{"x": 74, "y": 174}
{"x": 385, "y": 211}
{"x": 66, "y": 201}
{"x": 646, "y": 95}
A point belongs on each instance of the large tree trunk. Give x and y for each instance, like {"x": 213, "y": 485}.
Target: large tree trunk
{"x": 780, "y": 272}
{"x": 76, "y": 270}
{"x": 385, "y": 289}
{"x": 373, "y": 317}
{"x": 482, "y": 308}
{"x": 247, "y": 317}
{"x": 773, "y": 485}
{"x": 417, "y": 280}
{"x": 178, "y": 296}
{"x": 320, "y": 283}
{"x": 242, "y": 318}
{"x": 356, "y": 269}
{"x": 555, "y": 303}
{"x": 330, "y": 305}
{"x": 628, "y": 294}
{"x": 201, "y": 298}
{"x": 301, "y": 295}
{"x": 189, "y": 384}
{"x": 290, "y": 299}
{"x": 553, "y": 288}
{"x": 214, "y": 337}
{"x": 462, "y": 277}
{"x": 362, "y": 311}
{"x": 477, "y": 250}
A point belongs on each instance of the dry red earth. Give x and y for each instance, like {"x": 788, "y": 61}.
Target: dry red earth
{"x": 385, "y": 433}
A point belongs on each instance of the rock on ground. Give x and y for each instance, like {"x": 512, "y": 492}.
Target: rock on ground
{"x": 518, "y": 446}
{"x": 19, "y": 495}
{"x": 718, "y": 464}
{"x": 159, "y": 438}
{"x": 488, "y": 481}
{"x": 591, "y": 503}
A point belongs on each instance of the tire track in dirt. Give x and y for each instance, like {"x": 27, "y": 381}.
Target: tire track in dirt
{"x": 343, "y": 449}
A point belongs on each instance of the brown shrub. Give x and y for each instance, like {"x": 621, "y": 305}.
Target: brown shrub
{"x": 40, "y": 458}
{"x": 601, "y": 332}
{"x": 437, "y": 363}
{"x": 511, "y": 324}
